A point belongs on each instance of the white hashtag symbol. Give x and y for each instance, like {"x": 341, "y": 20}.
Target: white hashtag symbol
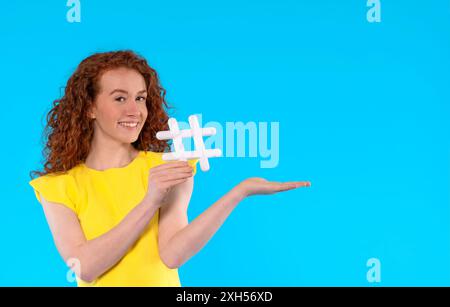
{"x": 197, "y": 133}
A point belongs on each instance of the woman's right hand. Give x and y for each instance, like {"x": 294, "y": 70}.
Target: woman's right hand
{"x": 163, "y": 177}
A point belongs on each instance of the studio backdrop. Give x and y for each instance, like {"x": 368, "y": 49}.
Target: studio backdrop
{"x": 352, "y": 96}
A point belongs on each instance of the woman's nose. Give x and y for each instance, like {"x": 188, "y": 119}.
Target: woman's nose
{"x": 133, "y": 109}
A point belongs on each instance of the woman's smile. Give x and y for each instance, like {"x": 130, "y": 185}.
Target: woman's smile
{"x": 130, "y": 126}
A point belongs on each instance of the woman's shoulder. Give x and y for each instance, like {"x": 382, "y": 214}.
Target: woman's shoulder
{"x": 59, "y": 187}
{"x": 62, "y": 180}
{"x": 152, "y": 157}
{"x": 66, "y": 176}
{"x": 58, "y": 181}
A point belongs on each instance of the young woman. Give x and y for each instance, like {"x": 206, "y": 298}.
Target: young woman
{"x": 116, "y": 210}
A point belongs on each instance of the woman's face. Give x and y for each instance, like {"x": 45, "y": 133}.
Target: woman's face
{"x": 120, "y": 110}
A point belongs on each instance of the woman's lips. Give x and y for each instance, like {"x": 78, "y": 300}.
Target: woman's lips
{"x": 129, "y": 126}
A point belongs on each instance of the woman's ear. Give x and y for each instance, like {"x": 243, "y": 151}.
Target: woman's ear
{"x": 91, "y": 114}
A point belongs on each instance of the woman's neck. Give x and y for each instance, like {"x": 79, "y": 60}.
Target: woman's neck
{"x": 102, "y": 159}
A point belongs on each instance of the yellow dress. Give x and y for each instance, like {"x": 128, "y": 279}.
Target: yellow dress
{"x": 101, "y": 199}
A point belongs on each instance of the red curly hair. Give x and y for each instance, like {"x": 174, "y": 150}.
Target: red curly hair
{"x": 69, "y": 130}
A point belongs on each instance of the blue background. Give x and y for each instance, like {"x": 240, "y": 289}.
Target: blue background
{"x": 363, "y": 111}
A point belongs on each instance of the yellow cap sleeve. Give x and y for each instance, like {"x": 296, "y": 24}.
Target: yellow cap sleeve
{"x": 59, "y": 189}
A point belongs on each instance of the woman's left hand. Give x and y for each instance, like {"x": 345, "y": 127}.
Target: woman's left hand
{"x": 255, "y": 186}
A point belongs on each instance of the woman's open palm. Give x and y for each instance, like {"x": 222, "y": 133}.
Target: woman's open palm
{"x": 254, "y": 186}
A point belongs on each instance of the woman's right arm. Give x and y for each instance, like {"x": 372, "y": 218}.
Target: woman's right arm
{"x": 98, "y": 255}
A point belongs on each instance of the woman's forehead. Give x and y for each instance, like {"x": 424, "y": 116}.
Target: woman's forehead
{"x": 125, "y": 79}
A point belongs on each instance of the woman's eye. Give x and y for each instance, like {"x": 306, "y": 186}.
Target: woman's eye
{"x": 120, "y": 99}
{"x": 141, "y": 98}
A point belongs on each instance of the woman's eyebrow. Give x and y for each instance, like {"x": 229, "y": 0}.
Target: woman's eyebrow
{"x": 125, "y": 92}
{"x": 118, "y": 90}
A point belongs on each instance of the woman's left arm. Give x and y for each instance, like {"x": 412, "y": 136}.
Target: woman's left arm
{"x": 179, "y": 240}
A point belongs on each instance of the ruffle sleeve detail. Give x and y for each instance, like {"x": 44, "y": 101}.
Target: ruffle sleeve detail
{"x": 59, "y": 189}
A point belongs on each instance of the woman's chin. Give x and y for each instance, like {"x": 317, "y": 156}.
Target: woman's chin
{"x": 128, "y": 140}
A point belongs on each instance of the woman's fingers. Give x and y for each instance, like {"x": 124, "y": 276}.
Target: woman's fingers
{"x": 280, "y": 187}
{"x": 172, "y": 170}
{"x": 184, "y": 169}
{"x": 286, "y": 186}
{"x": 299, "y": 184}
{"x": 175, "y": 176}
{"x": 252, "y": 186}
{"x": 168, "y": 166}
